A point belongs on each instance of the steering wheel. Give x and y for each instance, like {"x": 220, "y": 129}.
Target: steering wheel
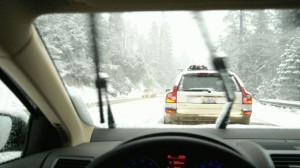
{"x": 172, "y": 149}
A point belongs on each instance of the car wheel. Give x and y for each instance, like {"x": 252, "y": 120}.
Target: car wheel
{"x": 166, "y": 121}
{"x": 247, "y": 121}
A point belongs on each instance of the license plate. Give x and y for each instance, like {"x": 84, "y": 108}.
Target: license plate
{"x": 208, "y": 100}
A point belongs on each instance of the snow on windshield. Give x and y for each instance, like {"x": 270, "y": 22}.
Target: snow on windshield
{"x": 147, "y": 50}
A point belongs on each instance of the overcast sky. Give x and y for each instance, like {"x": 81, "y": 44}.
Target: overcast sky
{"x": 187, "y": 38}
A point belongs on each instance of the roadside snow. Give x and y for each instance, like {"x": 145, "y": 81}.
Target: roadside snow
{"x": 87, "y": 94}
{"x": 90, "y": 95}
{"x": 282, "y": 117}
{"x": 10, "y": 104}
{"x": 7, "y": 156}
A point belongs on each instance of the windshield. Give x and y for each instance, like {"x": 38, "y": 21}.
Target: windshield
{"x": 144, "y": 53}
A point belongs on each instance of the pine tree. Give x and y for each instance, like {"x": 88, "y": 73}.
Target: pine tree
{"x": 131, "y": 59}
{"x": 67, "y": 42}
{"x": 251, "y": 45}
{"x": 287, "y": 83}
{"x": 286, "y": 26}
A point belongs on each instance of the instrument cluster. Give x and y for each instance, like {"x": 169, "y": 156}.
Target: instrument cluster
{"x": 175, "y": 161}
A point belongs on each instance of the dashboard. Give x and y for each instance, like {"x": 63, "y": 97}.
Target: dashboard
{"x": 172, "y": 150}
{"x": 175, "y": 148}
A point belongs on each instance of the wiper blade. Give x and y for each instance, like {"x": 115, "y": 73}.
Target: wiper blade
{"x": 100, "y": 80}
{"x": 219, "y": 64}
{"x": 199, "y": 90}
{"x": 223, "y": 118}
{"x": 110, "y": 117}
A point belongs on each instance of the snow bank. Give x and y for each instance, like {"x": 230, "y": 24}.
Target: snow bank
{"x": 282, "y": 117}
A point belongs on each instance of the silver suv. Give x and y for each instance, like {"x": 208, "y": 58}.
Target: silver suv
{"x": 198, "y": 97}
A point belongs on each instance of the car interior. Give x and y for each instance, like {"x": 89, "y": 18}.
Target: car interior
{"x": 56, "y": 136}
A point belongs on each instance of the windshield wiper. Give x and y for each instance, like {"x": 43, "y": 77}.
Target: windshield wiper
{"x": 101, "y": 81}
{"x": 223, "y": 118}
{"x": 198, "y": 90}
{"x": 219, "y": 63}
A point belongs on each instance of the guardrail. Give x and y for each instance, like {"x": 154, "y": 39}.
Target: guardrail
{"x": 120, "y": 100}
{"x": 113, "y": 101}
{"x": 281, "y": 103}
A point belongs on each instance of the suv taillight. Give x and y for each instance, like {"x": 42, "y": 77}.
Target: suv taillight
{"x": 246, "y": 97}
{"x": 246, "y": 102}
{"x": 171, "y": 97}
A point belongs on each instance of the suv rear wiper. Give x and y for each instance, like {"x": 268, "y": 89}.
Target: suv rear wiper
{"x": 198, "y": 90}
{"x": 219, "y": 64}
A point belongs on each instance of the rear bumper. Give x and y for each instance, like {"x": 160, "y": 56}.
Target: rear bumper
{"x": 176, "y": 118}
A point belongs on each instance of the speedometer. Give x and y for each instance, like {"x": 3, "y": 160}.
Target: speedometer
{"x": 142, "y": 162}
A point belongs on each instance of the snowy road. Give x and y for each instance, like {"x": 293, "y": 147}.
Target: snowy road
{"x": 149, "y": 113}
{"x": 144, "y": 111}
{"x": 135, "y": 113}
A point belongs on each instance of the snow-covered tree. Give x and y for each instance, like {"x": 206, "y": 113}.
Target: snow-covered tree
{"x": 287, "y": 85}
{"x": 67, "y": 42}
{"x": 132, "y": 60}
{"x": 252, "y": 46}
{"x": 286, "y": 27}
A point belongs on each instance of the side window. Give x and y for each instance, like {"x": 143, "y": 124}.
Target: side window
{"x": 235, "y": 84}
{"x": 13, "y": 125}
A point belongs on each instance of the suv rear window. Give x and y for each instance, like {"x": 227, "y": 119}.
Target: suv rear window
{"x": 194, "y": 82}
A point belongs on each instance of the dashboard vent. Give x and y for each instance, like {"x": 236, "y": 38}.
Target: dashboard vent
{"x": 286, "y": 160}
{"x": 71, "y": 162}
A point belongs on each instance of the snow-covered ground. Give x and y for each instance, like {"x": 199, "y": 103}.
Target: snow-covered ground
{"x": 6, "y": 156}
{"x": 279, "y": 116}
{"x": 143, "y": 112}
{"x": 89, "y": 95}
{"x": 10, "y": 104}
